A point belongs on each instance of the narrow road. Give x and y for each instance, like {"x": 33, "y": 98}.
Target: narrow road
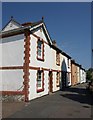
{"x": 73, "y": 102}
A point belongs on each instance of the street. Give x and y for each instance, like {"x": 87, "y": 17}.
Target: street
{"x": 73, "y": 102}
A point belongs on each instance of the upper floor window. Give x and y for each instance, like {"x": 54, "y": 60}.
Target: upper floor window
{"x": 57, "y": 79}
{"x": 40, "y": 80}
{"x": 40, "y": 50}
{"x": 57, "y": 58}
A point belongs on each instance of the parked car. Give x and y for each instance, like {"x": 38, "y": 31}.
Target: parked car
{"x": 90, "y": 86}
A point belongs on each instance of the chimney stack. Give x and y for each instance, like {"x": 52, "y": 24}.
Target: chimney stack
{"x": 54, "y": 43}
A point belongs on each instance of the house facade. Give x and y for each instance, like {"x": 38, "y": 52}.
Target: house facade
{"x": 78, "y": 74}
{"x": 32, "y": 64}
{"x": 82, "y": 75}
{"x": 66, "y": 70}
{"x": 73, "y": 73}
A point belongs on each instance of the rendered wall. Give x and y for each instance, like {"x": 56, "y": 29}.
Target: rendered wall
{"x": 66, "y": 68}
{"x": 12, "y": 56}
{"x": 48, "y": 63}
{"x": 73, "y": 74}
{"x": 78, "y": 74}
{"x": 12, "y": 80}
{"x": 81, "y": 76}
{"x": 13, "y": 51}
{"x": 33, "y": 89}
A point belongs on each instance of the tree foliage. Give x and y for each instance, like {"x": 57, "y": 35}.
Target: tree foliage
{"x": 89, "y": 74}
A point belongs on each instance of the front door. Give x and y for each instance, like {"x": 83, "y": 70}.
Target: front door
{"x": 50, "y": 82}
{"x": 63, "y": 79}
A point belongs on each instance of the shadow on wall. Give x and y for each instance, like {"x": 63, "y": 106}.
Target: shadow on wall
{"x": 12, "y": 39}
{"x": 64, "y": 81}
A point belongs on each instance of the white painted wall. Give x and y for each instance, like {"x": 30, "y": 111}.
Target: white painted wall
{"x": 85, "y": 76}
{"x": 64, "y": 67}
{"x": 55, "y": 88}
{"x": 12, "y": 55}
{"x": 12, "y": 80}
{"x": 33, "y": 89}
{"x": 49, "y": 63}
{"x": 82, "y": 76}
{"x": 81, "y": 79}
{"x": 33, "y": 53}
{"x": 40, "y": 33}
{"x": 13, "y": 51}
{"x": 49, "y": 55}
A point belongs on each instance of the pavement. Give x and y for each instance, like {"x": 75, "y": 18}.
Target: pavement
{"x": 9, "y": 108}
{"x": 73, "y": 102}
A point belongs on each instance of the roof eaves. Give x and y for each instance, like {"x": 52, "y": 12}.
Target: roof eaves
{"x": 36, "y": 23}
{"x": 16, "y": 22}
{"x": 66, "y": 55}
{"x": 21, "y": 29}
{"x": 77, "y": 64}
{"x": 56, "y": 48}
{"x": 47, "y": 32}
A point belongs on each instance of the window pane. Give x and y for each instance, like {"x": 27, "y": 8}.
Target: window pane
{"x": 39, "y": 52}
{"x": 39, "y": 48}
{"x": 39, "y": 80}
{"x": 39, "y": 77}
{"x": 57, "y": 78}
{"x": 39, "y": 44}
{"x": 39, "y": 84}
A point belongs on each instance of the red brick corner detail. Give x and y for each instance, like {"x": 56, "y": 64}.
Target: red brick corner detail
{"x": 26, "y": 64}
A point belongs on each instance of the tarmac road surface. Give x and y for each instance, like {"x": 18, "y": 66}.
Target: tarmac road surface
{"x": 73, "y": 102}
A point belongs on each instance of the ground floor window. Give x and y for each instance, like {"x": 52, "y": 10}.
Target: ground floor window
{"x": 40, "y": 80}
{"x": 57, "y": 79}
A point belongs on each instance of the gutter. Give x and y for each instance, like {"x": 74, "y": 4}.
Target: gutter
{"x": 14, "y": 31}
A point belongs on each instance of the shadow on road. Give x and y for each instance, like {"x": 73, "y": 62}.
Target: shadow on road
{"x": 78, "y": 94}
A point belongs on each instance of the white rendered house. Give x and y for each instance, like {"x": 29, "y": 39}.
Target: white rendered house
{"x": 82, "y": 75}
{"x": 32, "y": 65}
{"x": 66, "y": 69}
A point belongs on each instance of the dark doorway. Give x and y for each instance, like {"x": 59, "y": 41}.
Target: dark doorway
{"x": 64, "y": 80}
{"x": 64, "y": 75}
{"x": 50, "y": 82}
